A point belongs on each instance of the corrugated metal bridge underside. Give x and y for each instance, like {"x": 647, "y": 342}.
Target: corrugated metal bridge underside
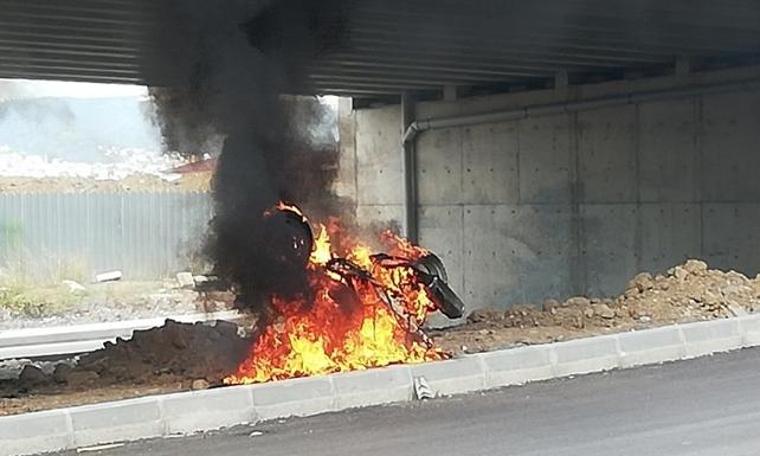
{"x": 422, "y": 46}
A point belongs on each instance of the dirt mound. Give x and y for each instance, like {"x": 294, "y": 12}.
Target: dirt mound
{"x": 687, "y": 292}
{"x": 184, "y": 351}
{"x": 694, "y": 287}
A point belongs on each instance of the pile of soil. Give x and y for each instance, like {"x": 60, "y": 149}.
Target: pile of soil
{"x": 175, "y": 351}
{"x": 173, "y": 357}
{"x": 202, "y": 353}
{"x": 687, "y": 292}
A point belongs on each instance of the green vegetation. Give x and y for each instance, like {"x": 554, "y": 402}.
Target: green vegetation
{"x": 37, "y": 301}
{"x": 40, "y": 292}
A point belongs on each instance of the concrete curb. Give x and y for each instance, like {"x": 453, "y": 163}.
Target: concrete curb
{"x": 198, "y": 411}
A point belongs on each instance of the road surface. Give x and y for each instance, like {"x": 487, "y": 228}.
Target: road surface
{"x": 709, "y": 406}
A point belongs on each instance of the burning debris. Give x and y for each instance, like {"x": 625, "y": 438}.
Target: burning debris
{"x": 359, "y": 310}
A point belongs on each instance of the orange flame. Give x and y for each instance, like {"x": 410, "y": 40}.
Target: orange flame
{"x": 351, "y": 322}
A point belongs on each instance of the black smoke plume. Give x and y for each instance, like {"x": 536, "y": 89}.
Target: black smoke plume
{"x": 224, "y": 67}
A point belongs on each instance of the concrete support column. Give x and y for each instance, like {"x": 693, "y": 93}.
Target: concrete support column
{"x": 683, "y": 66}
{"x": 346, "y": 185}
{"x": 409, "y": 171}
{"x": 561, "y": 80}
{"x": 450, "y": 92}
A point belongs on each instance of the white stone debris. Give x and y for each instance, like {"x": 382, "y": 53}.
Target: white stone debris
{"x": 422, "y": 389}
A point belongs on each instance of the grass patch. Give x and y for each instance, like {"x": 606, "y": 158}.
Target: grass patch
{"x": 37, "y": 301}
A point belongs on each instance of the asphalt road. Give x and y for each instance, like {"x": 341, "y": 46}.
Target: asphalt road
{"x": 709, "y": 406}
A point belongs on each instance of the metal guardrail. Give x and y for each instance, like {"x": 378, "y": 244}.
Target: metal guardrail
{"x": 37, "y": 342}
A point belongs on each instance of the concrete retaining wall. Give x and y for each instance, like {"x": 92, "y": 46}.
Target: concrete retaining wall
{"x": 579, "y": 202}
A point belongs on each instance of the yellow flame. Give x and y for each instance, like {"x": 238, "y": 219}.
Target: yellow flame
{"x": 321, "y": 252}
{"x": 360, "y": 255}
{"x": 308, "y": 357}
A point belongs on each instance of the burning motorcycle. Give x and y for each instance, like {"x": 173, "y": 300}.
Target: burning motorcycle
{"x": 362, "y": 309}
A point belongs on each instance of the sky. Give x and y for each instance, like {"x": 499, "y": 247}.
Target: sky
{"x": 76, "y": 122}
{"x": 79, "y": 122}
{"x": 27, "y": 88}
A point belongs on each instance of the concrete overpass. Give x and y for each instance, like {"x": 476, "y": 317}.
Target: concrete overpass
{"x": 430, "y": 47}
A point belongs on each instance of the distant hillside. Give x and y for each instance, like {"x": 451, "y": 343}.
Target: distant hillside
{"x": 77, "y": 129}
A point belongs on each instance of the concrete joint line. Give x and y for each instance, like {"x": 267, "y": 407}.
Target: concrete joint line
{"x": 69, "y": 428}
{"x": 745, "y": 333}
{"x": 553, "y": 360}
{"x": 162, "y": 414}
{"x": 333, "y": 394}
{"x": 750, "y": 338}
{"x": 254, "y": 413}
{"x": 618, "y": 349}
{"x": 460, "y": 375}
{"x": 681, "y": 336}
{"x": 742, "y": 332}
{"x": 483, "y": 372}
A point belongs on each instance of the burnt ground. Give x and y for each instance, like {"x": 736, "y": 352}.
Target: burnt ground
{"x": 179, "y": 357}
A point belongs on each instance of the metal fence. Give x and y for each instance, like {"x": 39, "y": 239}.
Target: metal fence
{"x": 146, "y": 235}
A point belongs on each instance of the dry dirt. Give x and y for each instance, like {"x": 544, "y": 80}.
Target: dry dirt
{"x": 36, "y": 305}
{"x": 686, "y": 293}
{"x": 181, "y": 357}
{"x": 191, "y": 182}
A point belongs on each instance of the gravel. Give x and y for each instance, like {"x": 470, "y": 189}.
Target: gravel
{"x": 125, "y": 303}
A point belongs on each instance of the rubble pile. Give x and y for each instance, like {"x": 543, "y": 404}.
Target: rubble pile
{"x": 687, "y": 292}
{"x": 694, "y": 287}
{"x": 176, "y": 350}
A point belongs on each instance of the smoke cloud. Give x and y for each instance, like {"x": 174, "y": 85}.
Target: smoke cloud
{"x": 225, "y": 66}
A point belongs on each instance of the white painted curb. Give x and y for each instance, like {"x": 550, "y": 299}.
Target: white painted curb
{"x": 198, "y": 411}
